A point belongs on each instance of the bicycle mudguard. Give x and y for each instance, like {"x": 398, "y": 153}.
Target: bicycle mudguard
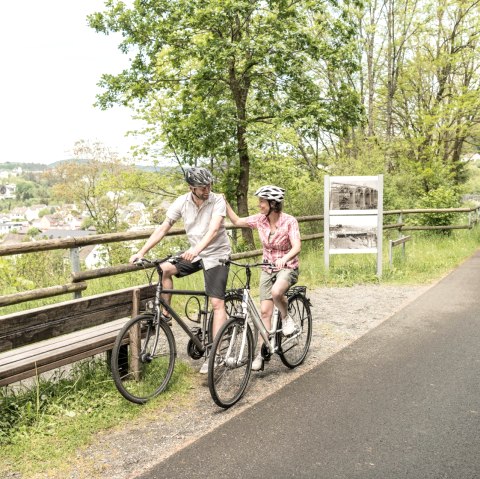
{"x": 298, "y": 290}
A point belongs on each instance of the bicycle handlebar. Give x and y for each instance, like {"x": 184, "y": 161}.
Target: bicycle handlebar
{"x": 248, "y": 265}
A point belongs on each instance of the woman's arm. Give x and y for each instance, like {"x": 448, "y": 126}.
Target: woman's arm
{"x": 294, "y": 251}
{"x": 233, "y": 217}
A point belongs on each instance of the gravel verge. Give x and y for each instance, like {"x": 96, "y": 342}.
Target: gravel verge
{"x": 340, "y": 316}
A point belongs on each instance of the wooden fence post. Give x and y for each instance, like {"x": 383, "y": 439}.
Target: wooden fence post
{"x": 75, "y": 266}
{"x": 135, "y": 338}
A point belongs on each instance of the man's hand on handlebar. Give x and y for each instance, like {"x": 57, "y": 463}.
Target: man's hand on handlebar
{"x": 135, "y": 258}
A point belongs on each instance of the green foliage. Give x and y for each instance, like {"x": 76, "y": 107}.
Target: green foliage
{"x": 10, "y": 280}
{"x": 437, "y": 199}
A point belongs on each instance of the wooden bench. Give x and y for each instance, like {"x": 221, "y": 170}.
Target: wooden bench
{"x": 42, "y": 339}
{"x": 399, "y": 241}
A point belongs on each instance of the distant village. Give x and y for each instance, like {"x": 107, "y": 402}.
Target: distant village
{"x": 41, "y": 221}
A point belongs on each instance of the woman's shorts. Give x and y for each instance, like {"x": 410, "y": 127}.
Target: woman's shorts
{"x": 267, "y": 280}
{"x": 215, "y": 278}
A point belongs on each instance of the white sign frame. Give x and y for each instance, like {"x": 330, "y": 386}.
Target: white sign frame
{"x": 353, "y": 216}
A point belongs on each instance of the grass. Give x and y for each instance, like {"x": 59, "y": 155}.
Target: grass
{"x": 42, "y": 426}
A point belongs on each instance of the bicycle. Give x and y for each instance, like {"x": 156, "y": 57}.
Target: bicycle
{"x": 233, "y": 348}
{"x": 144, "y": 352}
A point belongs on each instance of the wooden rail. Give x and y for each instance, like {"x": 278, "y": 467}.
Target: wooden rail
{"x": 393, "y": 243}
{"x": 44, "y": 338}
{"x": 78, "y": 278}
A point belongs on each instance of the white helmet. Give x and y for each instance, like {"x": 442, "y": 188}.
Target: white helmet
{"x": 270, "y": 192}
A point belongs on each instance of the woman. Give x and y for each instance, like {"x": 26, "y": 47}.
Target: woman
{"x": 280, "y": 237}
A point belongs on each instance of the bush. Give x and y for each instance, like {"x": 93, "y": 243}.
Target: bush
{"x": 441, "y": 197}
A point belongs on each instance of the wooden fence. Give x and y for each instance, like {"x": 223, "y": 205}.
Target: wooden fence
{"x": 79, "y": 278}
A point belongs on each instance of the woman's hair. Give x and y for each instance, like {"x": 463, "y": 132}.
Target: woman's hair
{"x": 275, "y": 206}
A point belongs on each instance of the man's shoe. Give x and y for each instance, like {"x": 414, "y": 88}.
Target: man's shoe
{"x": 258, "y": 363}
{"x": 288, "y": 326}
{"x": 204, "y": 368}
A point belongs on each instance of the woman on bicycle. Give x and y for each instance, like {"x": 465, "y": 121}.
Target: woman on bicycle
{"x": 280, "y": 237}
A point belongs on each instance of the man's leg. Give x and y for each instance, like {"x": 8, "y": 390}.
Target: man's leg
{"x": 219, "y": 314}
{"x": 215, "y": 285}
{"x": 169, "y": 270}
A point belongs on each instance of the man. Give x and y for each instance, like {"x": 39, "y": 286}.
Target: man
{"x": 203, "y": 214}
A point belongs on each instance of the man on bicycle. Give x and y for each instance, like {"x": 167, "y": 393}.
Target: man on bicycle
{"x": 203, "y": 214}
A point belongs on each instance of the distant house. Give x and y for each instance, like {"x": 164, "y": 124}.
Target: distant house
{"x": 18, "y": 212}
{"x": 48, "y": 222}
{"x": 94, "y": 256}
{"x": 33, "y": 212}
{"x": 8, "y": 226}
{"x": 7, "y": 192}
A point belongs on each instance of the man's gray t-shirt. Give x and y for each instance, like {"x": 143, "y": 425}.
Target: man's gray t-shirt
{"x": 197, "y": 220}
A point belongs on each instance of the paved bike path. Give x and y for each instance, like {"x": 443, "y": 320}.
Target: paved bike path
{"x": 403, "y": 401}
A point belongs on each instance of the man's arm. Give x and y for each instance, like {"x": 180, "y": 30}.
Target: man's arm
{"x": 154, "y": 239}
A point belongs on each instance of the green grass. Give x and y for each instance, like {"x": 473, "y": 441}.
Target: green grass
{"x": 41, "y": 427}
{"x": 428, "y": 257}
{"x": 45, "y": 424}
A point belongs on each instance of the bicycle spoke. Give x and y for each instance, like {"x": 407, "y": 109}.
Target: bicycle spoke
{"x": 230, "y": 363}
{"x": 144, "y": 371}
{"x": 293, "y": 349}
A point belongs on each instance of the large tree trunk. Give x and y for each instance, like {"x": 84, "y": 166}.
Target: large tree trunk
{"x": 242, "y": 186}
{"x": 239, "y": 89}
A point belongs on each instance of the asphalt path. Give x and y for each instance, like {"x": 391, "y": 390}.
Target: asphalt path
{"x": 403, "y": 401}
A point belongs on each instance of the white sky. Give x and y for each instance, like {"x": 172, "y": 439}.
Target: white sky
{"x": 52, "y": 62}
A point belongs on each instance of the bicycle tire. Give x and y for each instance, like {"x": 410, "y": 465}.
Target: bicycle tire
{"x": 228, "y": 374}
{"x": 293, "y": 350}
{"x": 142, "y": 375}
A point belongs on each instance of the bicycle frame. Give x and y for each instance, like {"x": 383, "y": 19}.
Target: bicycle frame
{"x": 250, "y": 311}
{"x": 160, "y": 303}
{"x": 183, "y": 292}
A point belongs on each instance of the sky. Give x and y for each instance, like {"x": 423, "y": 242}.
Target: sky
{"x": 51, "y": 64}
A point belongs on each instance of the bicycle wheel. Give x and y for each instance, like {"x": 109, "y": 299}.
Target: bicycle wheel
{"x": 293, "y": 349}
{"x": 143, "y": 358}
{"x": 230, "y": 362}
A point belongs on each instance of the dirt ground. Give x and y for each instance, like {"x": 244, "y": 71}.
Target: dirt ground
{"x": 340, "y": 316}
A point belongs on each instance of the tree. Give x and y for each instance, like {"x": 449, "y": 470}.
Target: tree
{"x": 208, "y": 76}
{"x": 94, "y": 181}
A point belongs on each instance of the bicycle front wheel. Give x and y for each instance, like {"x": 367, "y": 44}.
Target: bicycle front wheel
{"x": 143, "y": 358}
{"x": 293, "y": 349}
{"x": 230, "y": 362}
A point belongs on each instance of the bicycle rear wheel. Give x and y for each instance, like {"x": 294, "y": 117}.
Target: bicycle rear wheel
{"x": 143, "y": 370}
{"x": 293, "y": 349}
{"x": 230, "y": 362}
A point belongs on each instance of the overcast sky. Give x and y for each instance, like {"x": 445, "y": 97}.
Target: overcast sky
{"x": 51, "y": 64}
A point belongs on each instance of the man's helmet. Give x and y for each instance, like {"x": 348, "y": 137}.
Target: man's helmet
{"x": 198, "y": 177}
{"x": 271, "y": 193}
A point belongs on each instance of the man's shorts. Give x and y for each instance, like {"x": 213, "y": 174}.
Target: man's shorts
{"x": 267, "y": 280}
{"x": 215, "y": 278}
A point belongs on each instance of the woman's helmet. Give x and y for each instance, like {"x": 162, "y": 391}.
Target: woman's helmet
{"x": 271, "y": 193}
{"x": 198, "y": 177}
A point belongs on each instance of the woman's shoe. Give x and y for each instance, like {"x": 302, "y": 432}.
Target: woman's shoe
{"x": 258, "y": 363}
